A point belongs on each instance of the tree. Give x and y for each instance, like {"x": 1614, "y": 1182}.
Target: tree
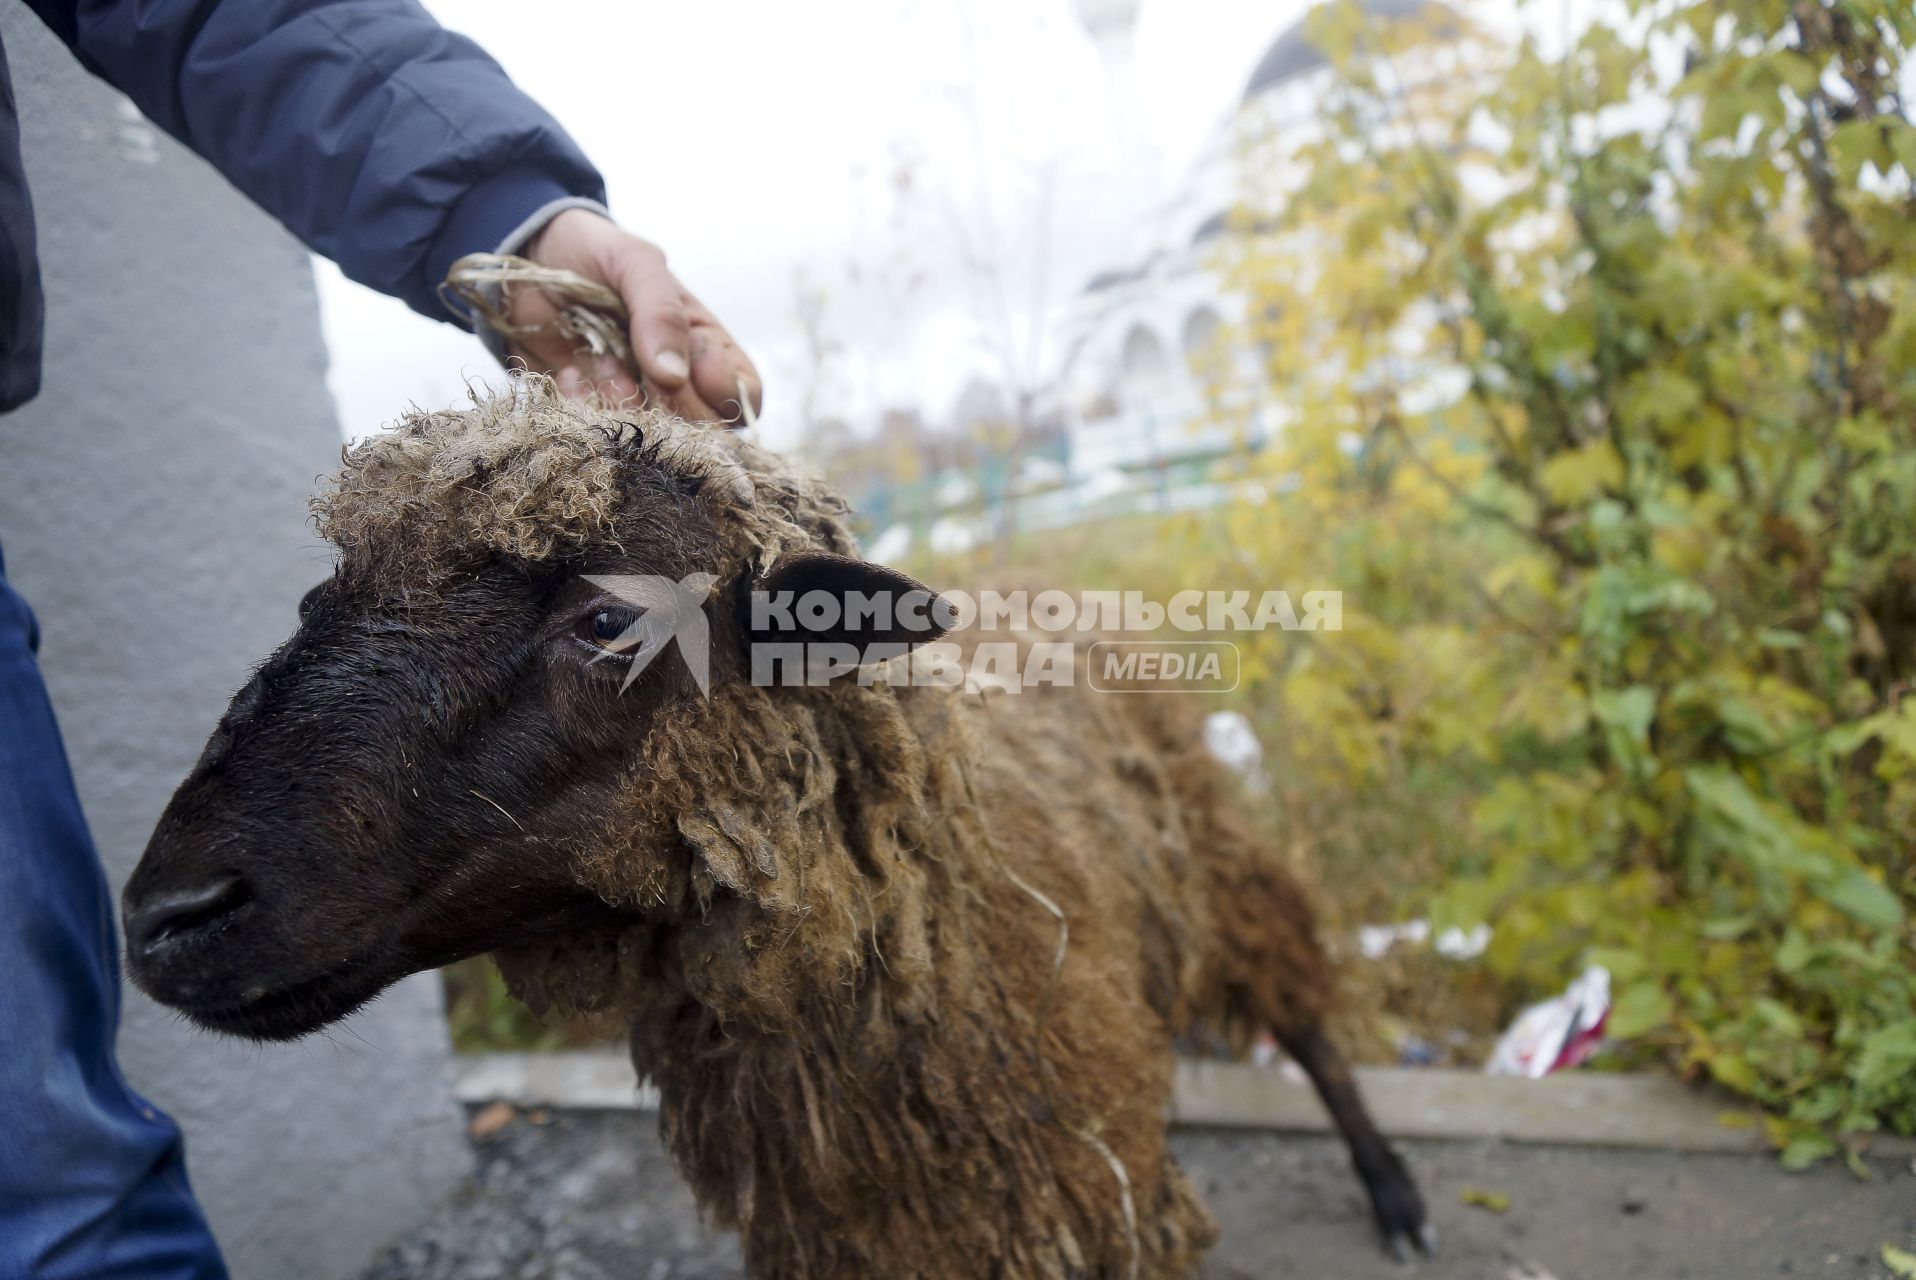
{"x": 1602, "y": 367}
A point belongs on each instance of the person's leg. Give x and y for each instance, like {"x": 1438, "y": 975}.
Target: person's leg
{"x": 92, "y": 1176}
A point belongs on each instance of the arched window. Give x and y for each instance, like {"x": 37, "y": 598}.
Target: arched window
{"x": 1143, "y": 353}
{"x": 1201, "y": 329}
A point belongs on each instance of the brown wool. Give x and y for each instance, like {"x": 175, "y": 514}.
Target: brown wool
{"x": 841, "y": 964}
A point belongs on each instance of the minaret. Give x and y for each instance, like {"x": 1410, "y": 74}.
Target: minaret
{"x": 1113, "y": 27}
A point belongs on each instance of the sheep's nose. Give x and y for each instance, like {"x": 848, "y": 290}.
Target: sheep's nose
{"x": 176, "y": 916}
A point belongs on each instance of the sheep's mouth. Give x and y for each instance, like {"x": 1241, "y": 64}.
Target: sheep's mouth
{"x": 295, "y": 1010}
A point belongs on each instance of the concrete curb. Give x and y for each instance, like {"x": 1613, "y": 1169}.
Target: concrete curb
{"x": 1574, "y": 1109}
{"x": 593, "y": 1079}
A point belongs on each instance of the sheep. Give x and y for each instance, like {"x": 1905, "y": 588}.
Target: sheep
{"x": 905, "y": 963}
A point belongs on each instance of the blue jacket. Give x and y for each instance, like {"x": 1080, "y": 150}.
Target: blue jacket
{"x": 382, "y": 140}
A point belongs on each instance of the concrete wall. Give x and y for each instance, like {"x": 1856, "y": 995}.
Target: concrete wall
{"x": 152, "y": 507}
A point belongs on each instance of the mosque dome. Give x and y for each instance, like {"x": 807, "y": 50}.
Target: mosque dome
{"x": 1292, "y": 53}
{"x": 1106, "y": 18}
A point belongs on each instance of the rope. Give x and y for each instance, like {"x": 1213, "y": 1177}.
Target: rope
{"x": 590, "y": 316}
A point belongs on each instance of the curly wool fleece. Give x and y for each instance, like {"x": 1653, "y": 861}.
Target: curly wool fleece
{"x": 532, "y": 475}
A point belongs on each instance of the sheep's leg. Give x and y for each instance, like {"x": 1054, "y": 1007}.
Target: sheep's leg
{"x": 1393, "y": 1196}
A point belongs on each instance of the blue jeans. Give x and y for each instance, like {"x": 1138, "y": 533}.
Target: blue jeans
{"x": 92, "y": 1176}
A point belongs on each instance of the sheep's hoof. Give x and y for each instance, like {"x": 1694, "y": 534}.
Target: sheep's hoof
{"x": 1400, "y": 1211}
{"x": 1424, "y": 1240}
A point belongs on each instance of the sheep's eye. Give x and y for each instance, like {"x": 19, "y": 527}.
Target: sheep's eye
{"x": 611, "y": 629}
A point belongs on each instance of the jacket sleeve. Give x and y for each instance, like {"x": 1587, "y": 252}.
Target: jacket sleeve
{"x": 382, "y": 140}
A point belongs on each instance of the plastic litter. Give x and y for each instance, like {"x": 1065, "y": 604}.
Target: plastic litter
{"x": 1415, "y": 1051}
{"x": 1558, "y": 1033}
{"x": 1374, "y": 940}
{"x": 1232, "y": 742}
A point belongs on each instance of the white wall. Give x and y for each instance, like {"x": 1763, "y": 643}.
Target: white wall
{"x": 152, "y": 507}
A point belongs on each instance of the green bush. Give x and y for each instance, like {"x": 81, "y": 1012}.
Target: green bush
{"x": 1635, "y": 605}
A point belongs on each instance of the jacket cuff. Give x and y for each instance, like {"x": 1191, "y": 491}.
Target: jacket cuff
{"x": 498, "y": 216}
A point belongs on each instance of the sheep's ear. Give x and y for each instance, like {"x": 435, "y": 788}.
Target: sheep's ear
{"x": 819, "y": 598}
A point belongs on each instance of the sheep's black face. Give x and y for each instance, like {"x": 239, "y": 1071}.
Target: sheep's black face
{"x": 399, "y": 787}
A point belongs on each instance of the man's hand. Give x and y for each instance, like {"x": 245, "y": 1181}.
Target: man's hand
{"x": 687, "y": 361}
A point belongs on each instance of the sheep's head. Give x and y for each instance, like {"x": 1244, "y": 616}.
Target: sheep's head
{"x": 421, "y": 771}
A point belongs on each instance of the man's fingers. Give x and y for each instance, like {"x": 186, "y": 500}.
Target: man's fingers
{"x": 684, "y": 359}
{"x": 541, "y": 349}
{"x": 690, "y": 405}
{"x": 615, "y": 383}
{"x": 544, "y": 349}
{"x": 661, "y": 329}
{"x": 720, "y": 371}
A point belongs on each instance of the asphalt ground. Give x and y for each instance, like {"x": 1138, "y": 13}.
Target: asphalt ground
{"x": 590, "y": 1195}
